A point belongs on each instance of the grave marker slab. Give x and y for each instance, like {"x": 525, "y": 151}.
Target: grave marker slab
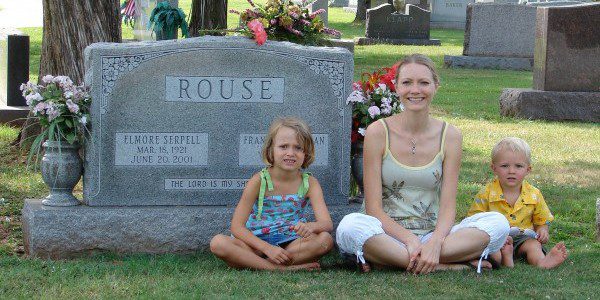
{"x": 385, "y": 25}
{"x": 177, "y": 127}
{"x": 567, "y": 59}
{"x": 450, "y": 14}
{"x": 192, "y": 90}
{"x": 321, "y": 4}
{"x": 498, "y": 36}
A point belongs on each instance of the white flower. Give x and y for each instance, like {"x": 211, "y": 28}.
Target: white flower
{"x": 382, "y": 86}
{"x": 39, "y": 108}
{"x": 52, "y": 111}
{"x": 31, "y": 98}
{"x": 362, "y": 131}
{"x": 64, "y": 81}
{"x": 355, "y": 96}
{"x": 68, "y": 94}
{"x": 374, "y": 111}
{"x": 74, "y": 108}
{"x": 386, "y": 109}
{"x": 83, "y": 120}
{"x": 47, "y": 78}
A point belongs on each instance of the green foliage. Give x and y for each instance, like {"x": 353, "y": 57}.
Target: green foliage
{"x": 165, "y": 18}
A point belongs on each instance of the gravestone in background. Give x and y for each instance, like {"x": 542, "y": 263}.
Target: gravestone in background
{"x": 449, "y": 14}
{"x": 321, "y": 4}
{"x": 14, "y": 70}
{"x": 177, "y": 128}
{"x": 566, "y": 81}
{"x": 385, "y": 25}
{"x": 338, "y": 3}
{"x": 424, "y": 4}
{"x": 352, "y": 6}
{"x": 143, "y": 9}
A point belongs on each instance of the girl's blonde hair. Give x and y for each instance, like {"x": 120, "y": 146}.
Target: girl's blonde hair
{"x": 513, "y": 144}
{"x": 421, "y": 60}
{"x": 302, "y": 133}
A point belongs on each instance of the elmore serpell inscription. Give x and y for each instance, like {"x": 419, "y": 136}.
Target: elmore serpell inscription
{"x": 161, "y": 149}
{"x": 205, "y": 184}
{"x": 250, "y": 148}
{"x": 224, "y": 89}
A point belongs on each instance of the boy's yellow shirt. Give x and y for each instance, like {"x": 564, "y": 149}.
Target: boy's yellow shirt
{"x": 530, "y": 208}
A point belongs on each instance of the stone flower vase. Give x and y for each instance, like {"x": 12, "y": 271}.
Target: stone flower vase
{"x": 61, "y": 170}
{"x": 356, "y": 165}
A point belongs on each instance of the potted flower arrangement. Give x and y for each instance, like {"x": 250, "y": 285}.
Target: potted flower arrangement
{"x": 62, "y": 110}
{"x": 373, "y": 97}
{"x": 166, "y": 20}
{"x": 285, "y": 20}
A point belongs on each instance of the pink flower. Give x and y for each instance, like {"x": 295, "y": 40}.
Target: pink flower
{"x": 74, "y": 108}
{"x": 40, "y": 107}
{"x": 374, "y": 111}
{"x": 260, "y": 35}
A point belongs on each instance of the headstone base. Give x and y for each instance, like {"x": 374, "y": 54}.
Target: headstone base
{"x": 343, "y": 43}
{"x": 447, "y": 25}
{"x": 489, "y": 62}
{"x": 416, "y": 42}
{"x": 13, "y": 115}
{"x": 68, "y": 232}
{"x": 548, "y": 105}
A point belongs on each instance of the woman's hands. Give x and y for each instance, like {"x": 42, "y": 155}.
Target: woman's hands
{"x": 424, "y": 258}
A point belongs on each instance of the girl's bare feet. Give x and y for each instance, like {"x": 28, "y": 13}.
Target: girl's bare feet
{"x": 555, "y": 257}
{"x": 313, "y": 266}
{"x": 507, "y": 253}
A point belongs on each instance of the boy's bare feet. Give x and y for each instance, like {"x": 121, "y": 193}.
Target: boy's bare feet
{"x": 507, "y": 253}
{"x": 313, "y": 266}
{"x": 555, "y": 257}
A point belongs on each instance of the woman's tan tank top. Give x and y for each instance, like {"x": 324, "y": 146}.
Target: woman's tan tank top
{"x": 411, "y": 195}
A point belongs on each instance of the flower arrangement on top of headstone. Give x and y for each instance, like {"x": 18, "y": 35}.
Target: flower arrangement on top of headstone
{"x": 62, "y": 110}
{"x": 285, "y": 20}
{"x": 165, "y": 20}
{"x": 373, "y": 97}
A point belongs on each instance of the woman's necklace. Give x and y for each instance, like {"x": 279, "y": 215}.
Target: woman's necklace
{"x": 413, "y": 148}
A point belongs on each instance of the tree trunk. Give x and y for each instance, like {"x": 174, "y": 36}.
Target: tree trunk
{"x": 69, "y": 27}
{"x": 207, "y": 15}
{"x": 361, "y": 10}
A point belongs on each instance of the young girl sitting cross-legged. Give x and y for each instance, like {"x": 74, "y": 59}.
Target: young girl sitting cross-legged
{"x": 269, "y": 226}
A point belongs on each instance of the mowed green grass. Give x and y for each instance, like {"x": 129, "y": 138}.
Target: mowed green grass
{"x": 566, "y": 167}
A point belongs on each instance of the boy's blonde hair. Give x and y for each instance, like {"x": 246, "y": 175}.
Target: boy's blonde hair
{"x": 513, "y": 144}
{"x": 302, "y": 133}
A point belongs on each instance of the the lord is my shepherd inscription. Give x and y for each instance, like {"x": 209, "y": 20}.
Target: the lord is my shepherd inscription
{"x": 182, "y": 122}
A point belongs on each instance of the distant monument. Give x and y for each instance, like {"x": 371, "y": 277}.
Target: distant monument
{"x": 566, "y": 77}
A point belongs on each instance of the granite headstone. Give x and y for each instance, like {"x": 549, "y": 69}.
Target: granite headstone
{"x": 498, "y": 36}
{"x": 566, "y": 81}
{"x": 177, "y": 128}
{"x": 321, "y": 4}
{"x": 14, "y": 70}
{"x": 450, "y": 14}
{"x": 385, "y": 25}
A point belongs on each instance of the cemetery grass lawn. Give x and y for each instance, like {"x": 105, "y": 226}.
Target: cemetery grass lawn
{"x": 566, "y": 167}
